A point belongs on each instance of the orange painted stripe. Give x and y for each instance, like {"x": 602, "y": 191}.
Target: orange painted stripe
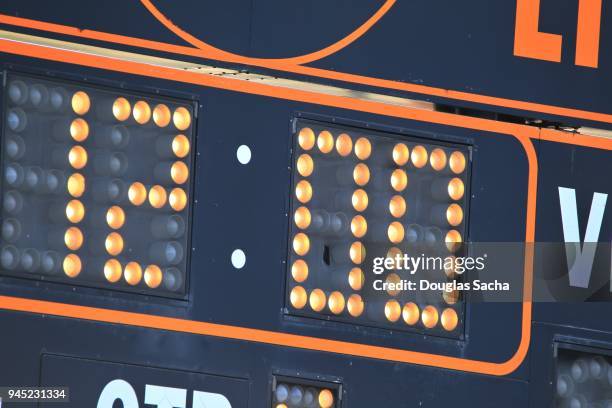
{"x": 248, "y": 334}
{"x": 522, "y": 133}
{"x": 457, "y": 95}
{"x": 576, "y": 139}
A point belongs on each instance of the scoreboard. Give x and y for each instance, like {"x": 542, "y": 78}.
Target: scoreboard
{"x": 192, "y": 219}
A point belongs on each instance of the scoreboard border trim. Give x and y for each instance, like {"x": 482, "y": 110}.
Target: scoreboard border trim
{"x": 522, "y": 133}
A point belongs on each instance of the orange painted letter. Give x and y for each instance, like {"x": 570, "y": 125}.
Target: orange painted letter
{"x": 528, "y": 41}
{"x": 587, "y": 33}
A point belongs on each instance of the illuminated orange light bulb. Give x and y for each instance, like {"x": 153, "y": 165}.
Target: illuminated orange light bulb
{"x": 399, "y": 180}
{"x": 449, "y": 319}
{"x": 449, "y": 266}
{"x": 73, "y": 238}
{"x": 157, "y": 196}
{"x": 142, "y": 112}
{"x": 153, "y": 276}
{"x": 178, "y": 199}
{"x": 306, "y": 138}
{"x": 132, "y": 273}
{"x": 437, "y": 160}
{"x": 302, "y": 217}
{"x": 451, "y": 297}
{"x": 401, "y": 154}
{"x": 305, "y": 165}
{"x": 303, "y": 191}
{"x": 137, "y": 193}
{"x": 325, "y": 142}
{"x": 298, "y": 297}
{"x": 393, "y": 278}
{"x": 359, "y": 226}
{"x": 115, "y": 217}
{"x": 72, "y": 265}
{"x": 181, "y": 118}
{"x": 392, "y": 253}
{"x": 419, "y": 156}
{"x": 161, "y": 115}
{"x": 397, "y": 206}
{"x": 336, "y": 302}
{"x": 393, "y": 310}
{"x": 179, "y": 172}
{"x": 453, "y": 240}
{"x": 356, "y": 278}
{"x": 395, "y": 232}
{"x": 355, "y": 305}
{"x": 299, "y": 270}
{"x": 326, "y": 399}
{"x": 77, "y": 157}
{"x": 317, "y": 300}
{"x": 344, "y": 145}
{"x": 180, "y": 146}
{"x": 357, "y": 252}
{"x": 429, "y": 317}
{"x": 75, "y": 211}
{"x": 361, "y": 174}
{"x": 456, "y": 189}
{"x": 76, "y": 185}
{"x": 457, "y": 162}
{"x": 363, "y": 148}
{"x": 114, "y": 243}
{"x": 301, "y": 244}
{"x": 411, "y": 313}
{"x": 112, "y": 270}
{"x": 79, "y": 130}
{"x": 121, "y": 109}
{"x": 454, "y": 214}
{"x": 80, "y": 103}
{"x": 359, "y": 200}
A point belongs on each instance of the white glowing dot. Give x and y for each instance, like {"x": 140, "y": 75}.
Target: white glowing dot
{"x": 238, "y": 259}
{"x": 243, "y": 154}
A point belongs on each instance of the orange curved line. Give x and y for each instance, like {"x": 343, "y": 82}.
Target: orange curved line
{"x": 217, "y": 53}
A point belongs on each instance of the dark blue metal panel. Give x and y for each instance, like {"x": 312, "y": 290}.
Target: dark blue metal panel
{"x": 225, "y": 25}
{"x": 306, "y": 26}
{"x": 366, "y": 383}
{"x": 582, "y": 169}
{"x": 115, "y": 16}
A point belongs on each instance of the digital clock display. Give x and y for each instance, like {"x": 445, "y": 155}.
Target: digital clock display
{"x": 96, "y": 186}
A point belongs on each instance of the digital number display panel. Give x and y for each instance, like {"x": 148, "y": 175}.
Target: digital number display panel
{"x": 96, "y": 186}
{"x": 358, "y": 195}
